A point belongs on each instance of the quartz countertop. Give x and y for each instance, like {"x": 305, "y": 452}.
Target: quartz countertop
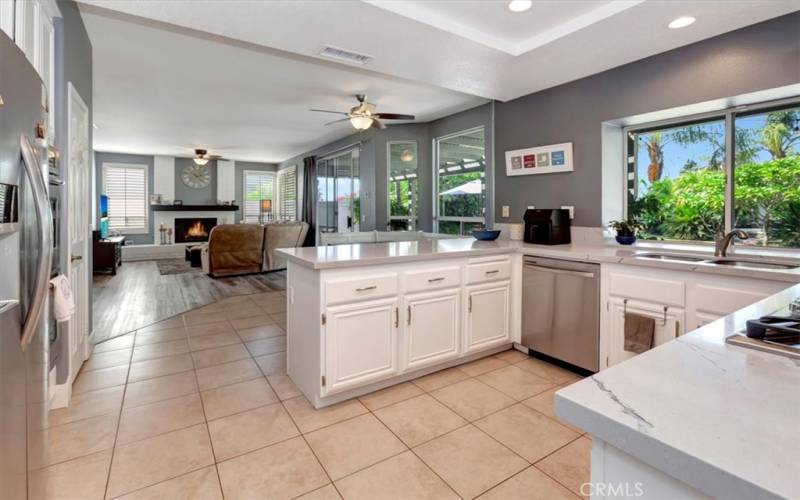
{"x": 721, "y": 418}
{"x": 369, "y": 254}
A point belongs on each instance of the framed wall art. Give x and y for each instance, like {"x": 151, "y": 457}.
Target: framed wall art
{"x": 540, "y": 160}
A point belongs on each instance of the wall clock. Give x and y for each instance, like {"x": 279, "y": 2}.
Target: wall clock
{"x": 196, "y": 176}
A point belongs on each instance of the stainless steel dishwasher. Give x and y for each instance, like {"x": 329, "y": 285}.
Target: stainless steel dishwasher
{"x": 561, "y": 310}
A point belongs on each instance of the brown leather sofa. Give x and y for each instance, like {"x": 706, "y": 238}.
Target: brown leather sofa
{"x": 235, "y": 249}
{"x": 281, "y": 235}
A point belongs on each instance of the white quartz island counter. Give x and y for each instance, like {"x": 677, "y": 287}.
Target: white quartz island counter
{"x": 721, "y": 419}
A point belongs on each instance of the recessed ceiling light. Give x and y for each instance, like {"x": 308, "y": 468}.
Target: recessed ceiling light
{"x": 681, "y": 22}
{"x": 519, "y": 5}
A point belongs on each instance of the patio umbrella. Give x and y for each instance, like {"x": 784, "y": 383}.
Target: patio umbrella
{"x": 471, "y": 187}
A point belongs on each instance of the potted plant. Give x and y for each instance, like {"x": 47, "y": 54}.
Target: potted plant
{"x": 626, "y": 230}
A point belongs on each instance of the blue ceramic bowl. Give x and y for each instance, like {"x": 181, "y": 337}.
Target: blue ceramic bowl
{"x": 626, "y": 240}
{"x": 485, "y": 234}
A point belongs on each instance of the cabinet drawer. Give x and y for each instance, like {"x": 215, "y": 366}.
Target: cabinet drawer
{"x": 355, "y": 289}
{"x": 431, "y": 279}
{"x": 657, "y": 290}
{"x": 488, "y": 271}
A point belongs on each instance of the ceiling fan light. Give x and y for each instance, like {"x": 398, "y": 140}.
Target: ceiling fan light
{"x": 519, "y": 5}
{"x": 681, "y": 22}
{"x": 201, "y": 161}
{"x": 406, "y": 156}
{"x": 361, "y": 122}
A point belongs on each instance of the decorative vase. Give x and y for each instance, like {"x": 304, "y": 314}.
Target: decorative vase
{"x": 627, "y": 239}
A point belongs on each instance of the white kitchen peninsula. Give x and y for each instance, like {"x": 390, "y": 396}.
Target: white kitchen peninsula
{"x": 363, "y": 317}
{"x": 695, "y": 417}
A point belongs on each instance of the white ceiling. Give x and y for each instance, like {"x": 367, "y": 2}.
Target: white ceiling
{"x": 166, "y": 91}
{"x": 469, "y": 47}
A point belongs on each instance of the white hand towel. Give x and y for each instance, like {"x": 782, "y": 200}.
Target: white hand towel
{"x": 63, "y": 302}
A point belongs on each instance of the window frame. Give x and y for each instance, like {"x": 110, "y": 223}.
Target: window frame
{"x": 138, "y": 166}
{"x": 728, "y": 115}
{"x": 413, "y": 222}
{"x": 244, "y": 192}
{"x": 437, "y": 218}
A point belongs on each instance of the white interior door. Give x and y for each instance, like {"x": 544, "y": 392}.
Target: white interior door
{"x": 78, "y": 165}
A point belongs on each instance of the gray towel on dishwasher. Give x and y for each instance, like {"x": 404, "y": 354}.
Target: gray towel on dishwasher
{"x": 639, "y": 333}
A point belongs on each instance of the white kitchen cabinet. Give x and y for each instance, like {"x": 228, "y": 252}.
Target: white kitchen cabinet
{"x": 487, "y": 315}
{"x": 30, "y": 23}
{"x": 432, "y": 327}
{"x": 360, "y": 344}
{"x": 669, "y": 324}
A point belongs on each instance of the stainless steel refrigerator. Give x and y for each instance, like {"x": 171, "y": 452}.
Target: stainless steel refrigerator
{"x": 26, "y": 253}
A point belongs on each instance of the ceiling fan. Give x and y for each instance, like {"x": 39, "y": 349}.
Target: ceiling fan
{"x": 363, "y": 116}
{"x": 201, "y": 156}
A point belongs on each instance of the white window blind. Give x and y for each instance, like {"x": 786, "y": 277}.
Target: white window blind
{"x": 287, "y": 193}
{"x": 126, "y": 188}
{"x": 257, "y": 186}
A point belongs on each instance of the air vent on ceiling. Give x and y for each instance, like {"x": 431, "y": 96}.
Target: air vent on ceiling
{"x": 344, "y": 55}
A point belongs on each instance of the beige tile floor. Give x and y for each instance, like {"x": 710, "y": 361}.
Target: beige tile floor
{"x": 200, "y": 407}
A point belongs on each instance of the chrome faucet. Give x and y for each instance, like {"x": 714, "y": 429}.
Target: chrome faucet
{"x": 723, "y": 241}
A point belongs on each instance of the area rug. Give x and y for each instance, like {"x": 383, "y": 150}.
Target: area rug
{"x": 176, "y": 266}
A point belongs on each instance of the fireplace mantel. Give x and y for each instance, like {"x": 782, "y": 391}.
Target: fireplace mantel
{"x": 194, "y": 208}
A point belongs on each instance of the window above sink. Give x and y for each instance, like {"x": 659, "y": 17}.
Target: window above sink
{"x": 689, "y": 178}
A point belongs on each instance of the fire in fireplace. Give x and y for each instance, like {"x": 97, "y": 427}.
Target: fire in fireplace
{"x": 193, "y": 229}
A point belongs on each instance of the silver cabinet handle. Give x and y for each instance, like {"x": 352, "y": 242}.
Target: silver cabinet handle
{"x": 44, "y": 223}
{"x": 580, "y": 274}
{"x": 408, "y": 312}
{"x": 396, "y": 317}
{"x": 493, "y": 271}
{"x": 366, "y": 288}
{"x": 73, "y": 258}
{"x": 435, "y": 280}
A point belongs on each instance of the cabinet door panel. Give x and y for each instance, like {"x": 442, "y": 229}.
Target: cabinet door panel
{"x": 360, "y": 344}
{"x": 432, "y": 327}
{"x": 488, "y": 310}
{"x": 666, "y": 327}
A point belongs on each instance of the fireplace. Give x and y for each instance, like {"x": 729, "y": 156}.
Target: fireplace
{"x": 188, "y": 230}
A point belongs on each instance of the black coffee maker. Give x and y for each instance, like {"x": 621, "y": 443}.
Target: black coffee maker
{"x": 547, "y": 226}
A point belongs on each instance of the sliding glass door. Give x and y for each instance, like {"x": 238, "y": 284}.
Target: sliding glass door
{"x": 460, "y": 182}
{"x": 338, "y": 193}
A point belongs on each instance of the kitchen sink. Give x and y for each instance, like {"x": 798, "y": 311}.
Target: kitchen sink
{"x": 669, "y": 257}
{"x": 743, "y": 262}
{"x": 750, "y": 264}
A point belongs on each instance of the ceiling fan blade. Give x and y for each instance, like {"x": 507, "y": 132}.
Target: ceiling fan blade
{"x": 327, "y": 111}
{"x": 337, "y": 121}
{"x": 377, "y": 124}
{"x": 394, "y": 116}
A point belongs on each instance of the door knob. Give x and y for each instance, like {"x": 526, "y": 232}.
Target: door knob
{"x": 73, "y": 258}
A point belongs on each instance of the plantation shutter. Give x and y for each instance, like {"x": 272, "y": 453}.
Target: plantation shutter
{"x": 287, "y": 193}
{"x": 257, "y": 186}
{"x": 126, "y": 188}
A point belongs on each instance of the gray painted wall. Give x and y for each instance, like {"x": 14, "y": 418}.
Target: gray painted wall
{"x": 99, "y": 159}
{"x": 374, "y": 168}
{"x": 192, "y": 196}
{"x": 240, "y": 167}
{"x": 73, "y": 64}
{"x": 758, "y": 57}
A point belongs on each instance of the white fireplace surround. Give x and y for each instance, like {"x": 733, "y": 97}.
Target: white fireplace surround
{"x": 168, "y": 219}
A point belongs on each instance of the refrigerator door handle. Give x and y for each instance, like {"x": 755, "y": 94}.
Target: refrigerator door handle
{"x": 44, "y": 225}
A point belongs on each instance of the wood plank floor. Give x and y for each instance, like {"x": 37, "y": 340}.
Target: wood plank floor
{"x": 139, "y": 295}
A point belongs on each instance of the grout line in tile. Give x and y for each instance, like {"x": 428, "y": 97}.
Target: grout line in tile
{"x": 116, "y": 431}
{"x": 411, "y": 449}
{"x": 205, "y": 418}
